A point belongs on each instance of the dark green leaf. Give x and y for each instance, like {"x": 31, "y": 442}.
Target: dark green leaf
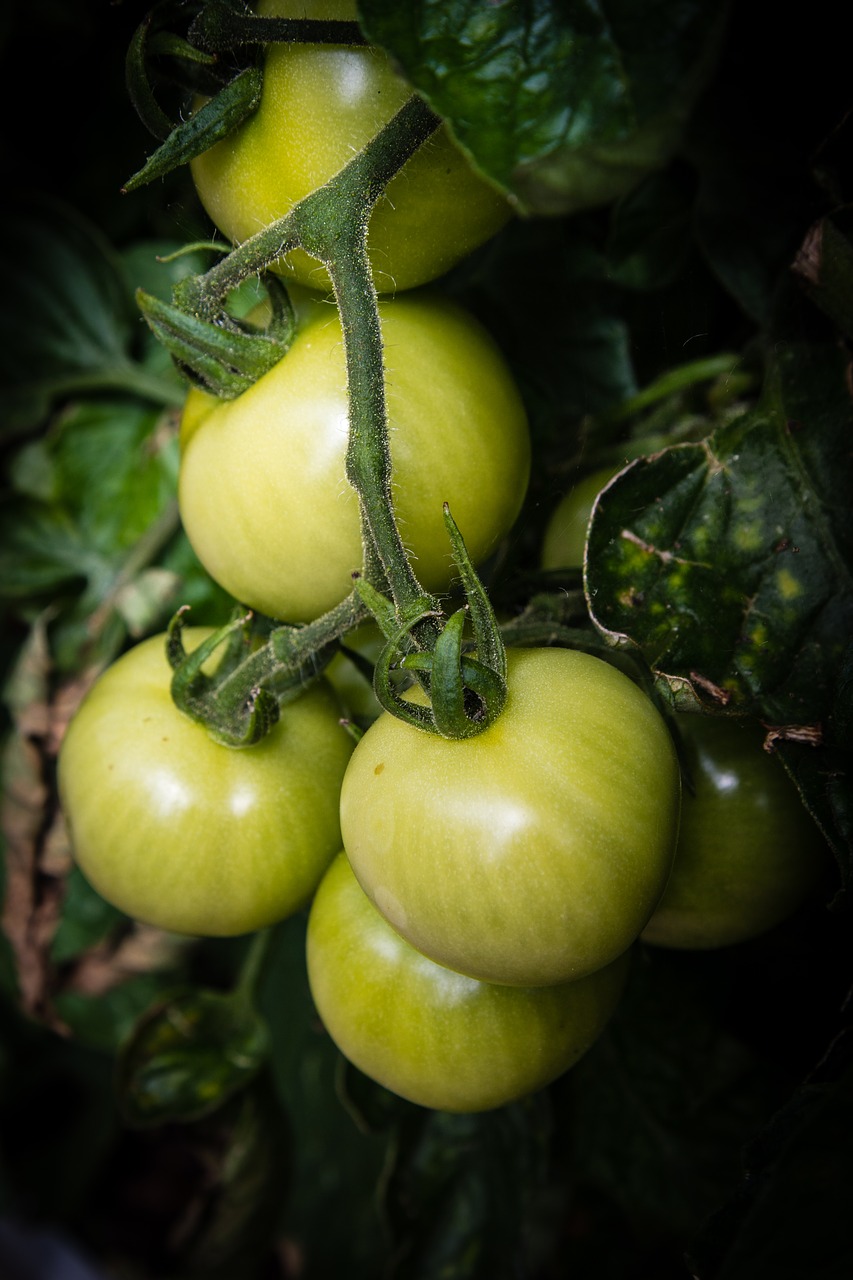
{"x": 103, "y": 1021}
{"x": 188, "y": 1055}
{"x": 565, "y": 105}
{"x": 335, "y": 1161}
{"x": 463, "y": 1192}
{"x": 236, "y": 1234}
{"x": 739, "y": 225}
{"x": 197, "y": 1199}
{"x": 68, "y": 320}
{"x": 86, "y": 919}
{"x": 790, "y": 1217}
{"x": 570, "y": 347}
{"x": 663, "y": 1102}
{"x": 650, "y": 234}
{"x": 725, "y": 560}
{"x": 374, "y": 1108}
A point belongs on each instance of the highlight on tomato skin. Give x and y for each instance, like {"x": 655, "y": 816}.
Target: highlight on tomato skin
{"x": 534, "y": 852}
{"x": 748, "y": 853}
{"x": 188, "y": 835}
{"x": 320, "y": 105}
{"x": 431, "y": 1035}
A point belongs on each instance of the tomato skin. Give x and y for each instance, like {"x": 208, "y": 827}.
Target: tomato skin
{"x": 188, "y": 835}
{"x": 321, "y": 104}
{"x": 263, "y": 491}
{"x": 534, "y": 852}
{"x": 433, "y": 1036}
{"x": 748, "y": 853}
{"x": 564, "y": 543}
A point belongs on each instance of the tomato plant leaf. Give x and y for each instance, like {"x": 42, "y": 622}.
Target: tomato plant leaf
{"x": 84, "y": 495}
{"x": 68, "y": 321}
{"x": 330, "y": 1150}
{"x": 728, "y": 561}
{"x": 187, "y": 1055}
{"x": 719, "y": 574}
{"x": 649, "y": 238}
{"x": 103, "y": 1020}
{"x": 243, "y": 1203}
{"x": 769, "y": 1226}
{"x": 463, "y": 1189}
{"x": 564, "y": 105}
{"x": 663, "y": 1101}
{"x": 86, "y": 919}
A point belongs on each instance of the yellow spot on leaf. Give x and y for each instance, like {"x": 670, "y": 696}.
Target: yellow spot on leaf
{"x": 789, "y": 586}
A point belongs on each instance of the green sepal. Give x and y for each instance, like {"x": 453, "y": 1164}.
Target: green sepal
{"x": 230, "y": 107}
{"x": 166, "y": 44}
{"x": 447, "y": 692}
{"x": 380, "y": 606}
{"x": 195, "y": 692}
{"x": 189, "y": 665}
{"x": 225, "y": 357}
{"x": 487, "y": 633}
{"x": 138, "y": 86}
{"x": 388, "y": 697}
{"x": 448, "y": 675}
{"x": 396, "y": 630}
{"x": 450, "y": 687}
{"x": 152, "y": 40}
{"x": 218, "y": 29}
{"x": 261, "y": 714}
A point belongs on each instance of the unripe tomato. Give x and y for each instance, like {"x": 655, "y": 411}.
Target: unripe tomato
{"x": 534, "y": 852}
{"x": 431, "y": 1035}
{"x": 564, "y": 544}
{"x": 183, "y": 833}
{"x": 263, "y": 491}
{"x": 320, "y": 105}
{"x": 748, "y": 853}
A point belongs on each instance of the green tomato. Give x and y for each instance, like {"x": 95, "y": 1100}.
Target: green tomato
{"x": 534, "y": 852}
{"x": 748, "y": 853}
{"x": 188, "y": 835}
{"x": 320, "y": 105}
{"x": 433, "y": 1036}
{"x": 263, "y": 491}
{"x": 564, "y": 544}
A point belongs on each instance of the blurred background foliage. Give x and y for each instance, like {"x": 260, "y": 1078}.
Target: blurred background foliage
{"x": 709, "y": 1131}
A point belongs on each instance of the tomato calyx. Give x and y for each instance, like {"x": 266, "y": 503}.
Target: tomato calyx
{"x": 261, "y": 667}
{"x": 214, "y": 350}
{"x": 465, "y": 693}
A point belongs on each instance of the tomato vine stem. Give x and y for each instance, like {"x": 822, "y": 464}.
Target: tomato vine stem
{"x": 331, "y": 226}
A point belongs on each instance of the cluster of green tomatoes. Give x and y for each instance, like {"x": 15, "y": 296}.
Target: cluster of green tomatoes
{"x": 473, "y": 904}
